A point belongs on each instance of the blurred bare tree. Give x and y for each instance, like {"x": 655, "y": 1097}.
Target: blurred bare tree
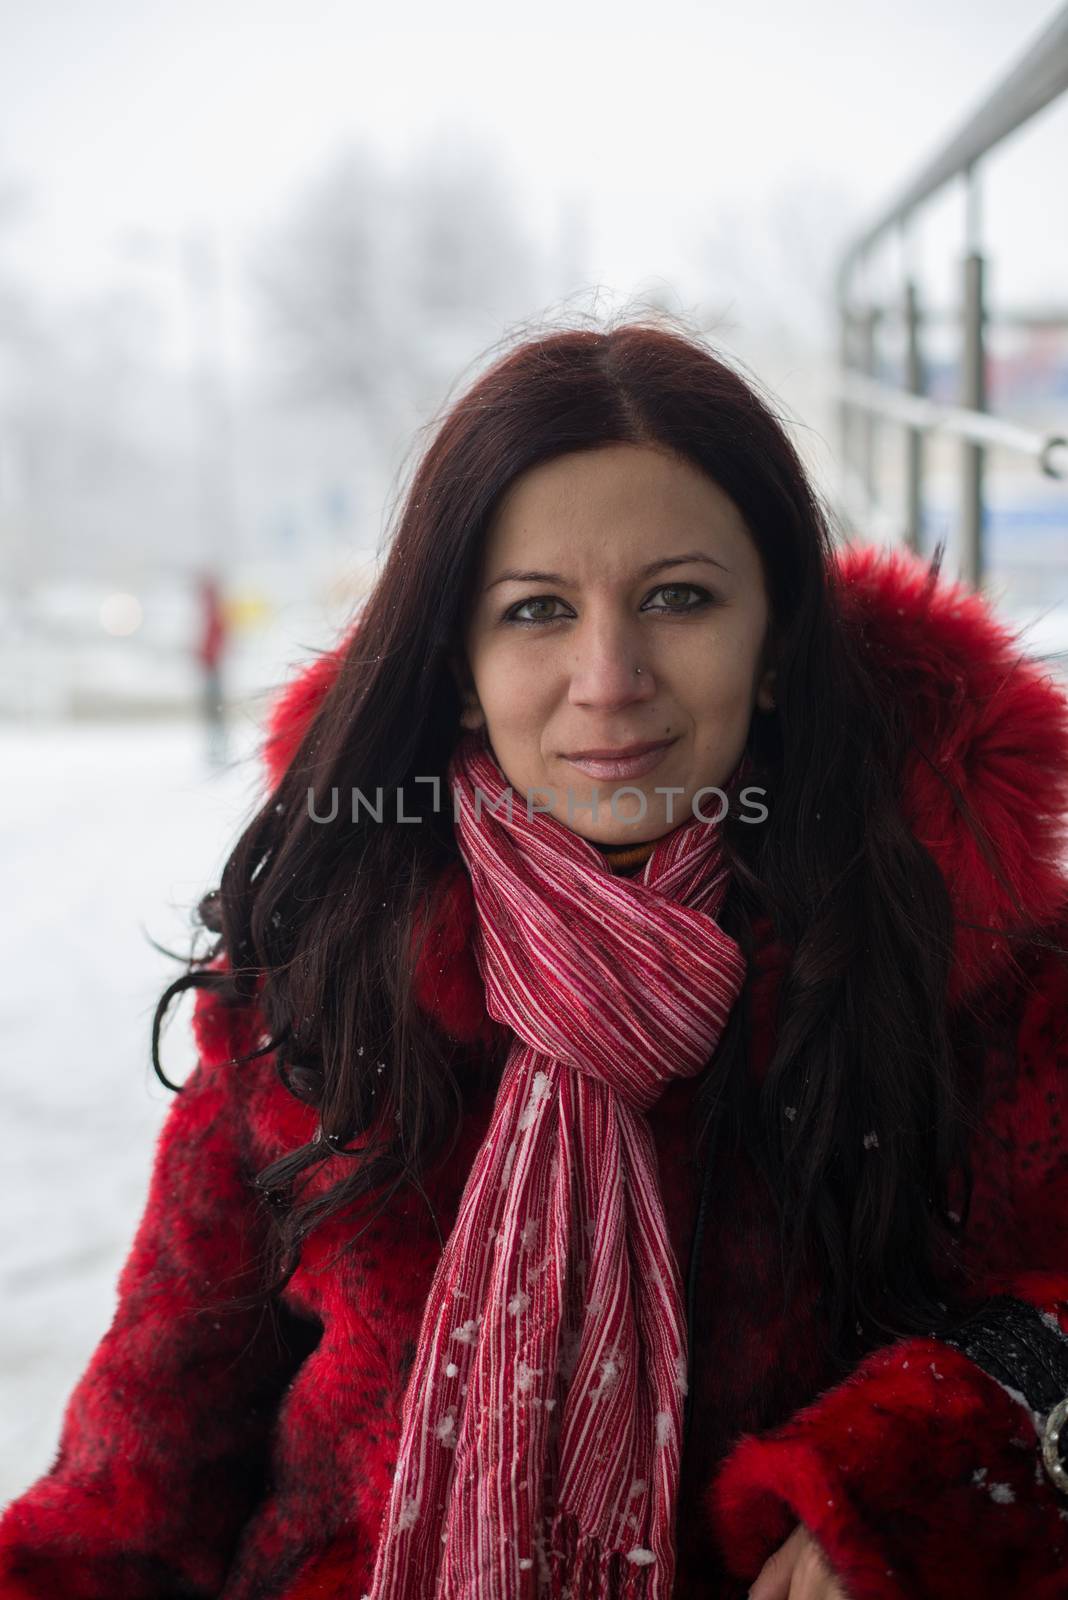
{"x": 768, "y": 265}
{"x": 380, "y": 284}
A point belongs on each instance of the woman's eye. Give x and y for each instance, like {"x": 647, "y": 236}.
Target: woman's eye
{"x": 678, "y": 590}
{"x": 537, "y": 600}
{"x": 682, "y": 589}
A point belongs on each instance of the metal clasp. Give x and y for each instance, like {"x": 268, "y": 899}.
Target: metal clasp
{"x": 1051, "y": 1445}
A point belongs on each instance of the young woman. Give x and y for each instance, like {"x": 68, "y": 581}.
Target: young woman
{"x": 634, "y": 1042}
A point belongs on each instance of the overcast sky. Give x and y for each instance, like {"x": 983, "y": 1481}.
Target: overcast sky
{"x": 651, "y": 125}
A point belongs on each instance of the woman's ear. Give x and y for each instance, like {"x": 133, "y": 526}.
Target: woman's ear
{"x": 766, "y": 661}
{"x": 765, "y": 696}
{"x": 471, "y": 714}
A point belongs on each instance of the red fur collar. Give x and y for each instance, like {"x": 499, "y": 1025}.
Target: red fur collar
{"x": 986, "y": 720}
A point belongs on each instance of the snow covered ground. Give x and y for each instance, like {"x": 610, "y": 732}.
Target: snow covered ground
{"x": 109, "y": 835}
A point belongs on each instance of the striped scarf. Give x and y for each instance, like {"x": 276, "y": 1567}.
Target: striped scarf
{"x": 540, "y": 1437}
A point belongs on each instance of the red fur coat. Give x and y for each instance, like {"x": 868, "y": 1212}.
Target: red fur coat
{"x": 232, "y": 1455}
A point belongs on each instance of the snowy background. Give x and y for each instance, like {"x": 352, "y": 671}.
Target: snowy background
{"x": 248, "y": 251}
{"x": 110, "y": 836}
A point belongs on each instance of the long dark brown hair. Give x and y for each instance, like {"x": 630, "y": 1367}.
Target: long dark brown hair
{"x": 316, "y": 921}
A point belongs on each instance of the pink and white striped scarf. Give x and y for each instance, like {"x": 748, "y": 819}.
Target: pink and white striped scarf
{"x": 540, "y": 1437}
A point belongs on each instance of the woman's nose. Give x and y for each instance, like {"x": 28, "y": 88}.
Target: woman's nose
{"x": 605, "y": 671}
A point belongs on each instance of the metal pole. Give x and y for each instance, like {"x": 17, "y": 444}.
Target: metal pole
{"x": 213, "y": 538}
{"x": 914, "y": 382}
{"x": 845, "y": 410}
{"x": 869, "y": 355}
{"x": 974, "y": 396}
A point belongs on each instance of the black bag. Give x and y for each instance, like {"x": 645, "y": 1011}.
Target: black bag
{"x": 1012, "y": 1341}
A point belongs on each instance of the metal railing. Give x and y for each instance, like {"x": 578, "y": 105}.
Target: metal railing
{"x": 1038, "y": 78}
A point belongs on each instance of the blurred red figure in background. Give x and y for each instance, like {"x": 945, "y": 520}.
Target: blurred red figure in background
{"x": 211, "y": 646}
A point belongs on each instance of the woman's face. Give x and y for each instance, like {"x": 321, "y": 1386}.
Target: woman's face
{"x": 568, "y": 606}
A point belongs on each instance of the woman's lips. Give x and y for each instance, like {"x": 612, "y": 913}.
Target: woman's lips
{"x": 628, "y": 767}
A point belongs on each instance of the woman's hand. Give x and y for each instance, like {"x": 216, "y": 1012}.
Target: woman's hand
{"x": 797, "y": 1570}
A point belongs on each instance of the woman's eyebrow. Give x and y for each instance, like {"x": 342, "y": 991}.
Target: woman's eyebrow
{"x": 513, "y": 575}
